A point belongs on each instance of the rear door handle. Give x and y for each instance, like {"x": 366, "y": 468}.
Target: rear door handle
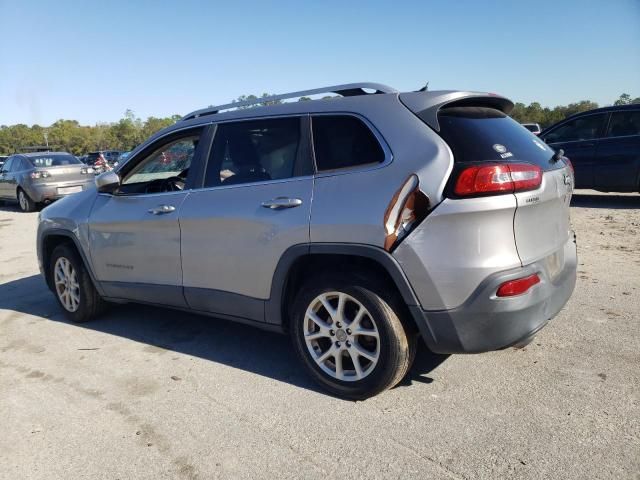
{"x": 282, "y": 202}
{"x": 162, "y": 209}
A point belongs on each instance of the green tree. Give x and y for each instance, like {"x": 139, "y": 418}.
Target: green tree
{"x": 624, "y": 99}
{"x": 253, "y": 98}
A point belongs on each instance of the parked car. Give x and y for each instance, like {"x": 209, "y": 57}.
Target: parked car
{"x": 355, "y": 224}
{"x": 533, "y": 128}
{"x": 111, "y": 156}
{"x": 42, "y": 177}
{"x": 123, "y": 156}
{"x": 603, "y": 146}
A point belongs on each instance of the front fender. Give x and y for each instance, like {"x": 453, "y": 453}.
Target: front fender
{"x": 69, "y": 218}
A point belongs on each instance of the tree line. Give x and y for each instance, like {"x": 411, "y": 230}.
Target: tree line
{"x": 129, "y": 131}
{"x": 545, "y": 116}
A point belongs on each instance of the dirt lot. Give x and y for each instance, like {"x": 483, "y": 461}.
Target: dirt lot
{"x": 149, "y": 393}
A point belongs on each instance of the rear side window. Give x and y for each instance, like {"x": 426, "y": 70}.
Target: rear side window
{"x": 54, "y": 160}
{"x": 623, "y": 124}
{"x": 479, "y": 134}
{"x": 582, "y": 128}
{"x": 254, "y": 151}
{"x": 8, "y": 164}
{"x": 342, "y": 141}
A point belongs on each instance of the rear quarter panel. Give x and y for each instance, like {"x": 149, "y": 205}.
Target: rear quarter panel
{"x": 456, "y": 247}
{"x": 349, "y": 205}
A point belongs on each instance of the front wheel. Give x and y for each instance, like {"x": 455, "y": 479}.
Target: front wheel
{"x": 72, "y": 285}
{"x": 349, "y": 338}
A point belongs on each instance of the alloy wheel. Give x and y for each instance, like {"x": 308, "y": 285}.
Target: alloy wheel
{"x": 66, "y": 283}
{"x": 341, "y": 336}
{"x": 22, "y": 200}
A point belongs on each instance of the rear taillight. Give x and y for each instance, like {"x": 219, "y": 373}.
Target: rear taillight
{"x": 517, "y": 287}
{"x": 408, "y": 207}
{"x": 39, "y": 174}
{"x": 497, "y": 178}
{"x": 86, "y": 170}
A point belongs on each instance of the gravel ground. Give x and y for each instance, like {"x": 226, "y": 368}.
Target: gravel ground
{"x": 150, "y": 393}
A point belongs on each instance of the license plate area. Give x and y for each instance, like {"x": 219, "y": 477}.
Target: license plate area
{"x": 69, "y": 190}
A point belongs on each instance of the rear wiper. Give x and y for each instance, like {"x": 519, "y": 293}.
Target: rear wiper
{"x": 558, "y": 154}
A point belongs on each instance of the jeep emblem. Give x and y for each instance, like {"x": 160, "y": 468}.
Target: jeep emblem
{"x": 499, "y": 148}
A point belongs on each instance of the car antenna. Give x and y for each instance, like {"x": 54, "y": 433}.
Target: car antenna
{"x": 425, "y": 88}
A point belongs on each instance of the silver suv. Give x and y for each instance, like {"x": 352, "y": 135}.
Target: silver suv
{"x": 357, "y": 224}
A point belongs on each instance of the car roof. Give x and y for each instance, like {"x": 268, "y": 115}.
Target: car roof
{"x": 353, "y": 96}
{"x": 610, "y": 108}
{"x": 39, "y": 154}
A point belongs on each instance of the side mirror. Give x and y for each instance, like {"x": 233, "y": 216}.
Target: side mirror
{"x": 107, "y": 182}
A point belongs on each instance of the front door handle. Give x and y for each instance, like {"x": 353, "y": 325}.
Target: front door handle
{"x": 282, "y": 202}
{"x": 162, "y": 209}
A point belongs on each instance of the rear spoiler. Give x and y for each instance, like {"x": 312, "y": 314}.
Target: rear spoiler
{"x": 426, "y": 105}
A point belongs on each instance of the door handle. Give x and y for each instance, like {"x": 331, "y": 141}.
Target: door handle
{"x": 162, "y": 209}
{"x": 282, "y": 202}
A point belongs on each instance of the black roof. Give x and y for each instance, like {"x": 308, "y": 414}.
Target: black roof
{"x": 610, "y": 108}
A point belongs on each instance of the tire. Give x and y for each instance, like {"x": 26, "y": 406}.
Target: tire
{"x": 83, "y": 302}
{"x": 24, "y": 201}
{"x": 382, "y": 361}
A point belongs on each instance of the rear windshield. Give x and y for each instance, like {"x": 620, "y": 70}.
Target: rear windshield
{"x": 54, "y": 160}
{"x": 477, "y": 134}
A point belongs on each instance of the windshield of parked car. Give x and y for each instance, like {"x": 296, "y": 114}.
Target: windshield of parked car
{"x": 54, "y": 160}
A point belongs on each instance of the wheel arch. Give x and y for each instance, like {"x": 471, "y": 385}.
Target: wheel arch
{"x": 50, "y": 240}
{"x": 300, "y": 259}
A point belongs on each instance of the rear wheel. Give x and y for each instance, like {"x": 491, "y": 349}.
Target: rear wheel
{"x": 72, "y": 285}
{"x": 25, "y": 202}
{"x": 349, "y": 338}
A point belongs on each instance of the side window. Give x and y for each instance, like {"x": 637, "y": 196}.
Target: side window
{"x": 583, "y": 128}
{"x": 163, "y": 170}
{"x": 254, "y": 151}
{"x": 623, "y": 124}
{"x": 7, "y": 165}
{"x": 342, "y": 141}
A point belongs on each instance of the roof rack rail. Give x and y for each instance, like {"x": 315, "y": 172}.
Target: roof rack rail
{"x": 346, "y": 90}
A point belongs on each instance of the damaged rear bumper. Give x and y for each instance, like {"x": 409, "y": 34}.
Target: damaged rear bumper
{"x": 486, "y": 322}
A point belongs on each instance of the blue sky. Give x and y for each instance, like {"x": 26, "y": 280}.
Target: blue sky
{"x": 92, "y": 60}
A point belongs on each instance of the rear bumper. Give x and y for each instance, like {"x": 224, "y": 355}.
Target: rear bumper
{"x": 485, "y": 322}
{"x": 45, "y": 192}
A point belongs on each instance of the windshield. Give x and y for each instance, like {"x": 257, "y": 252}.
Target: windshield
{"x": 54, "y": 160}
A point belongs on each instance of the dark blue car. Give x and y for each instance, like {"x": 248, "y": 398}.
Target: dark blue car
{"x": 603, "y": 145}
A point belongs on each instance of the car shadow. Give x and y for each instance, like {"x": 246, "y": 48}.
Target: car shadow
{"x": 614, "y": 201}
{"x": 233, "y": 344}
{"x": 8, "y": 207}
